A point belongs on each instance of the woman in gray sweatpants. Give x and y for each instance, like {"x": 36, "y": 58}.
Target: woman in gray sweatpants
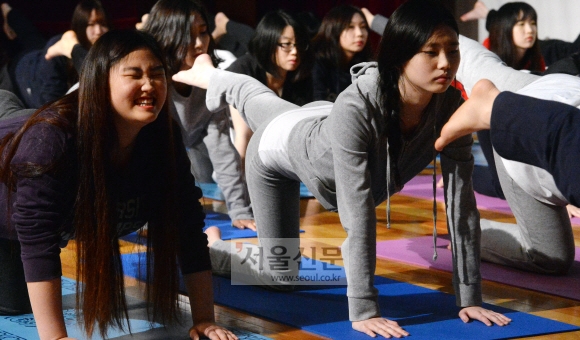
{"x": 352, "y": 156}
{"x": 541, "y": 240}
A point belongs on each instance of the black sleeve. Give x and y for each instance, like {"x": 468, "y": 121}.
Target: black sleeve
{"x": 542, "y": 133}
{"x": 193, "y": 250}
{"x": 78, "y": 56}
{"x": 320, "y": 76}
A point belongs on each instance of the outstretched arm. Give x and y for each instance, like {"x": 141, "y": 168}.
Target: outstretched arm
{"x": 200, "y": 291}
{"x": 46, "y": 301}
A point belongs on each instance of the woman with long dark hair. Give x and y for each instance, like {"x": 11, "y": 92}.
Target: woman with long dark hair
{"x": 181, "y": 29}
{"x": 513, "y": 36}
{"x": 352, "y": 155}
{"x": 37, "y": 80}
{"x": 341, "y": 42}
{"x": 93, "y": 166}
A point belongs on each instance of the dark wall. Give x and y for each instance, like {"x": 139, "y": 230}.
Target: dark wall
{"x": 53, "y": 17}
{"x": 250, "y": 11}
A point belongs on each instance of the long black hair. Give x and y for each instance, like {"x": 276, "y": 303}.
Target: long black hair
{"x": 408, "y": 29}
{"x": 264, "y": 44}
{"x": 170, "y": 23}
{"x": 81, "y": 17}
{"x": 326, "y": 43}
{"x": 501, "y": 41}
{"x": 87, "y": 115}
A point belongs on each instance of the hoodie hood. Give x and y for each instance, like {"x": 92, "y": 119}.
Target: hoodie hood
{"x": 370, "y": 68}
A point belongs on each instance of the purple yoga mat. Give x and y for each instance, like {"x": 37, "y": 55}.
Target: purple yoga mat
{"x": 419, "y": 251}
{"x": 422, "y": 187}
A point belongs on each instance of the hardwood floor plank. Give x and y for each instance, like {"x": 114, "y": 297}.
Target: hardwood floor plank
{"x": 411, "y": 217}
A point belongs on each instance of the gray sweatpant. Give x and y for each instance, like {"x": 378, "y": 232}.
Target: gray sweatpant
{"x": 541, "y": 240}
{"x": 275, "y": 201}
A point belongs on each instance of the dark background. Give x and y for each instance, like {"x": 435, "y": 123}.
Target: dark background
{"x": 52, "y": 17}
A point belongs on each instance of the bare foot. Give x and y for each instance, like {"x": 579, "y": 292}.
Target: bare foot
{"x": 213, "y": 234}
{"x": 440, "y": 183}
{"x": 7, "y": 29}
{"x": 473, "y": 115}
{"x": 199, "y": 74}
{"x": 368, "y": 15}
{"x": 479, "y": 11}
{"x": 221, "y": 20}
{"x": 144, "y": 18}
{"x": 63, "y": 47}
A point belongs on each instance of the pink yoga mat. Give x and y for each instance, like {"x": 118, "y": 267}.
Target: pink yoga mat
{"x": 419, "y": 251}
{"x": 422, "y": 187}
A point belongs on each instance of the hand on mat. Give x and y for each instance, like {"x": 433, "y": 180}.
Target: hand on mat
{"x": 198, "y": 74}
{"x": 488, "y": 317}
{"x": 212, "y": 331}
{"x": 242, "y": 224}
{"x": 381, "y": 326}
{"x": 573, "y": 211}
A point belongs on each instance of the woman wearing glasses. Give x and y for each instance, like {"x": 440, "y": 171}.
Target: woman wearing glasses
{"x": 341, "y": 42}
{"x": 277, "y": 58}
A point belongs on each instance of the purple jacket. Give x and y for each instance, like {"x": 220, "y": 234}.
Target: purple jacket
{"x": 42, "y": 208}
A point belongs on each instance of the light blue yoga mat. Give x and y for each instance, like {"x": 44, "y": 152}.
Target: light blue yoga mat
{"x": 211, "y": 190}
{"x": 23, "y": 327}
{"x": 323, "y": 310}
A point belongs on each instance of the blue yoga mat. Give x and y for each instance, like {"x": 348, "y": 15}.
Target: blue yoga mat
{"x": 23, "y": 327}
{"x": 222, "y": 221}
{"x": 211, "y": 190}
{"x": 323, "y": 310}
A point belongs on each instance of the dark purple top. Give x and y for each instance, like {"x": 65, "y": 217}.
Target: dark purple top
{"x": 42, "y": 210}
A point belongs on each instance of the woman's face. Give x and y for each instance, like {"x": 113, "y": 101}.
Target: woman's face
{"x": 96, "y": 26}
{"x": 524, "y": 33}
{"x": 354, "y": 38}
{"x": 199, "y": 41}
{"x": 287, "y": 58}
{"x": 433, "y": 68}
{"x": 138, "y": 90}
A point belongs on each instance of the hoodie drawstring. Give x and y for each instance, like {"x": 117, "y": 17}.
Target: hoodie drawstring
{"x": 388, "y": 189}
{"x": 435, "y": 255}
{"x": 434, "y": 195}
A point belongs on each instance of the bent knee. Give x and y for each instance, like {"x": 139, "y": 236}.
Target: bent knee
{"x": 552, "y": 265}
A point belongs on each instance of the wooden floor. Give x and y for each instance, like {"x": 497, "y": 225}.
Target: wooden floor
{"x": 411, "y": 217}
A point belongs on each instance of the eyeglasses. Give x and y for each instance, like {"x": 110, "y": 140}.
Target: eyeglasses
{"x": 287, "y": 47}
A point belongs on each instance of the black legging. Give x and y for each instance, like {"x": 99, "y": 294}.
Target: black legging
{"x": 13, "y": 290}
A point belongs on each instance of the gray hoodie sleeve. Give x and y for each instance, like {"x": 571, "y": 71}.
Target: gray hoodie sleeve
{"x": 356, "y": 206}
{"x": 462, "y": 221}
{"x": 227, "y": 166}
